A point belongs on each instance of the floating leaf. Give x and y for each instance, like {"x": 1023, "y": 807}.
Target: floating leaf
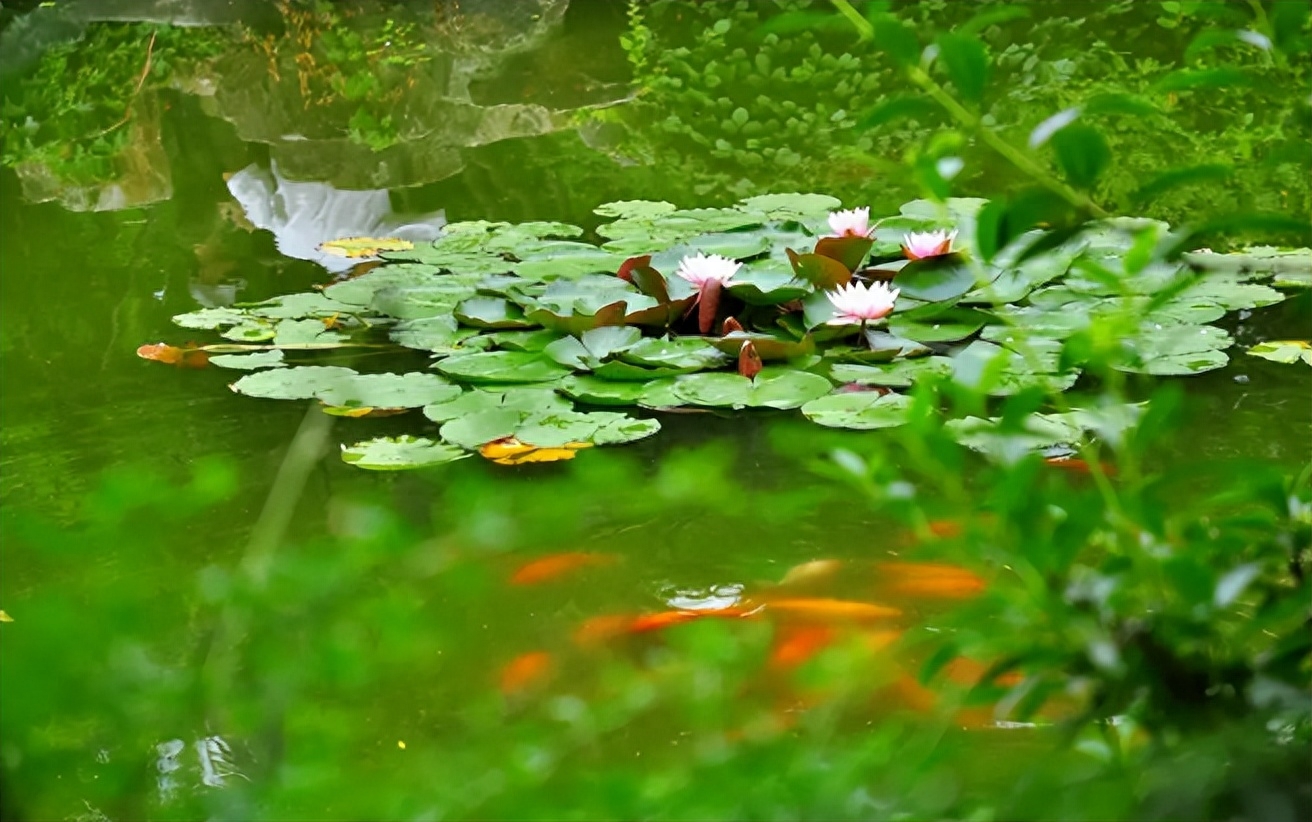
{"x": 850, "y": 251}
{"x": 400, "y": 453}
{"x": 491, "y": 312}
{"x": 897, "y": 374}
{"x": 510, "y": 451}
{"x": 772, "y": 388}
{"x": 679, "y": 352}
{"x": 597, "y": 391}
{"x": 356, "y": 247}
{"x": 588, "y": 350}
{"x": 388, "y": 391}
{"x": 502, "y": 367}
{"x": 946, "y": 327}
{"x": 1284, "y": 351}
{"x": 800, "y": 207}
{"x": 935, "y": 279}
{"x": 302, "y": 382}
{"x": 821, "y": 272}
{"x": 860, "y": 410}
{"x": 249, "y": 362}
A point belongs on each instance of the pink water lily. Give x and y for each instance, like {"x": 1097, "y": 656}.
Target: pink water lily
{"x": 701, "y": 269}
{"x": 921, "y": 244}
{"x": 859, "y": 303}
{"x": 852, "y": 223}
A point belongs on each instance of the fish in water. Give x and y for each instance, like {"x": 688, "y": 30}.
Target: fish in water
{"x": 555, "y": 566}
{"x": 526, "y": 671}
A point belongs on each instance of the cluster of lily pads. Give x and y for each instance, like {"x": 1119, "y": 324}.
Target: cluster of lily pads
{"x": 781, "y": 302}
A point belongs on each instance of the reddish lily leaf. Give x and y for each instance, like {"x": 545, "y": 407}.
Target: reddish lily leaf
{"x": 850, "y": 251}
{"x": 730, "y": 325}
{"x": 749, "y": 362}
{"x": 663, "y": 315}
{"x": 172, "y": 355}
{"x": 548, "y": 568}
{"x": 626, "y": 268}
{"x": 821, "y": 272}
{"x": 708, "y": 304}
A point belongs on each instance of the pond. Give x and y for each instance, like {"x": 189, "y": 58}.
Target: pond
{"x": 210, "y": 614}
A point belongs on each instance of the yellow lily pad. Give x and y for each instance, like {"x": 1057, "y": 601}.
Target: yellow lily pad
{"x": 355, "y": 247}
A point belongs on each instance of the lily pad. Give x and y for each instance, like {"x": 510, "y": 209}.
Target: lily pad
{"x": 896, "y": 374}
{"x": 523, "y": 401}
{"x": 1282, "y": 351}
{"x": 440, "y": 335}
{"x": 502, "y": 367}
{"x": 597, "y": 391}
{"x": 772, "y": 388}
{"x": 302, "y": 382}
{"x": 679, "y": 352}
{"x": 591, "y": 348}
{"x": 491, "y": 312}
{"x": 400, "y": 453}
{"x": 249, "y": 362}
{"x": 862, "y": 410}
{"x": 935, "y": 279}
{"x": 794, "y": 206}
{"x": 388, "y": 391}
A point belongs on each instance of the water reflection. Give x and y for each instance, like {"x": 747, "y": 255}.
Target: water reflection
{"x": 302, "y": 215}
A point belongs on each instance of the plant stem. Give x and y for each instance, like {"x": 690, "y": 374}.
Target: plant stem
{"x": 864, "y": 30}
{"x": 1014, "y": 155}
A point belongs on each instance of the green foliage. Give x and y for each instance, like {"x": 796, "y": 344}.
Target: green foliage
{"x": 817, "y": 109}
{"x": 71, "y": 112}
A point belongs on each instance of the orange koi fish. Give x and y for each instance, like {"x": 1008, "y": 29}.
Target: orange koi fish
{"x": 548, "y": 568}
{"x": 602, "y": 628}
{"x": 831, "y": 609}
{"x": 929, "y": 579}
{"x": 798, "y": 645}
{"x": 526, "y": 671}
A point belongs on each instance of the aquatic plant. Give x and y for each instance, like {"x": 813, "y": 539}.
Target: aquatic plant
{"x": 529, "y": 333}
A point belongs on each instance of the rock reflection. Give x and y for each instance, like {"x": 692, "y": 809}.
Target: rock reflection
{"x": 301, "y": 215}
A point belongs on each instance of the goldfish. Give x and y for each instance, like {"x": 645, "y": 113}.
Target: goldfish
{"x": 605, "y": 627}
{"x": 526, "y": 671}
{"x": 929, "y": 579}
{"x": 554, "y": 566}
{"x": 830, "y": 609}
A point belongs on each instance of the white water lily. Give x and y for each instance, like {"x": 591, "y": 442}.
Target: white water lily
{"x": 860, "y": 303}
{"x": 701, "y": 269}
{"x": 921, "y": 244}
{"x": 852, "y": 223}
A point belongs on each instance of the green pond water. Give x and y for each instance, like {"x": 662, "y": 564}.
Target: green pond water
{"x": 361, "y": 677}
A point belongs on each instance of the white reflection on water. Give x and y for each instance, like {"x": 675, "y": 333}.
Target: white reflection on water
{"x": 302, "y": 215}
{"x": 704, "y": 599}
{"x": 212, "y": 767}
